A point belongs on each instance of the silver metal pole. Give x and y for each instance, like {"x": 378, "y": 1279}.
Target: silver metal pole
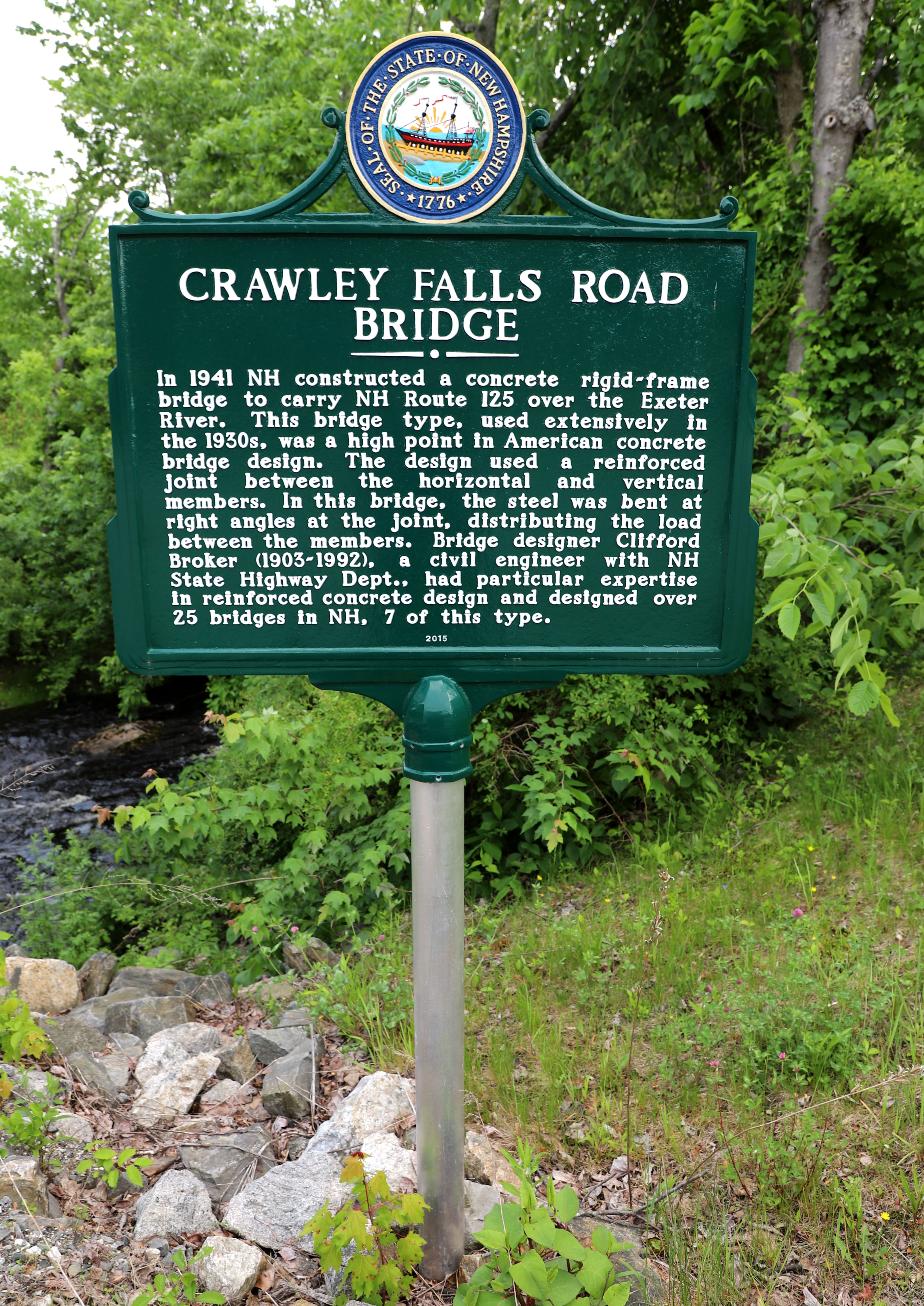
{"x": 437, "y": 828}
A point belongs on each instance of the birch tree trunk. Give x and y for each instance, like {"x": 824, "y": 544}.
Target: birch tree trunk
{"x": 841, "y": 116}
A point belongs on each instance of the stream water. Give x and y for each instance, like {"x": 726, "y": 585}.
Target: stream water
{"x": 58, "y": 764}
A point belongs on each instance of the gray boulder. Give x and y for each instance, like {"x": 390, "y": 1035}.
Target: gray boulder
{"x": 95, "y": 975}
{"x": 74, "y": 1128}
{"x": 118, "y": 1067}
{"x": 479, "y": 1198}
{"x": 93, "y": 1012}
{"x": 23, "y": 1184}
{"x": 177, "y": 1204}
{"x": 207, "y": 990}
{"x": 301, "y": 953}
{"x": 236, "y": 1061}
{"x": 227, "y": 1162}
{"x": 147, "y": 1015}
{"x": 170, "y": 1047}
{"x": 484, "y": 1163}
{"x": 376, "y": 1105}
{"x": 272, "y": 1211}
{"x": 156, "y": 981}
{"x": 172, "y": 1092}
{"x": 384, "y": 1152}
{"x": 230, "y": 1267}
{"x": 69, "y": 1035}
{"x": 292, "y": 1084}
{"x": 268, "y": 1045}
{"x": 91, "y": 1071}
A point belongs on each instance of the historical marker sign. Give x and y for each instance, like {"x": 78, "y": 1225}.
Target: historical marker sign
{"x": 369, "y": 449}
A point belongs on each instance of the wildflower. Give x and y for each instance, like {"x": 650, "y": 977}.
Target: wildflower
{"x": 814, "y": 888}
{"x": 883, "y": 1215}
{"x": 293, "y": 929}
{"x": 254, "y": 929}
{"x": 798, "y": 911}
{"x": 713, "y": 1064}
{"x": 607, "y": 899}
{"x": 810, "y": 847}
{"x": 781, "y": 1056}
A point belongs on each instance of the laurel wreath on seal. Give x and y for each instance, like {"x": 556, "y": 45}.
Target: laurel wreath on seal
{"x": 408, "y": 169}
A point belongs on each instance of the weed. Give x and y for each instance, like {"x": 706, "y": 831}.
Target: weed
{"x": 375, "y": 1224}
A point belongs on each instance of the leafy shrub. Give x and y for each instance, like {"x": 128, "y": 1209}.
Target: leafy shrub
{"x": 532, "y": 1249}
{"x": 376, "y": 1224}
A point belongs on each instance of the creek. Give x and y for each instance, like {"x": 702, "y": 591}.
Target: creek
{"x": 59, "y": 764}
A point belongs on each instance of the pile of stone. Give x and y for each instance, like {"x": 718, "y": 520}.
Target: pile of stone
{"x": 149, "y": 1042}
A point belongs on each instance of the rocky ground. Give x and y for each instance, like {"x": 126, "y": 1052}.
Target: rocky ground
{"x": 244, "y": 1112}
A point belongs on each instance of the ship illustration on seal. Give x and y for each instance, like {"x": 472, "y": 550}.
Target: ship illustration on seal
{"x": 420, "y": 138}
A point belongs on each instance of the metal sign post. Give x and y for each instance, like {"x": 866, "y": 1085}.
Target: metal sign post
{"x": 434, "y": 453}
{"x": 437, "y": 722}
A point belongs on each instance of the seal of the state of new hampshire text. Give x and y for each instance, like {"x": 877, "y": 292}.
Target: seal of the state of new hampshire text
{"x": 435, "y": 128}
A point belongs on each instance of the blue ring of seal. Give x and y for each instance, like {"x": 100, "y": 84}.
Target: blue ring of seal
{"x": 375, "y": 170}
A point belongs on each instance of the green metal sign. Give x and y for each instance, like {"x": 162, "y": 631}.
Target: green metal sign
{"x": 501, "y": 450}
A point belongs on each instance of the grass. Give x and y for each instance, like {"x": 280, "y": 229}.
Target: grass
{"x": 736, "y": 1008}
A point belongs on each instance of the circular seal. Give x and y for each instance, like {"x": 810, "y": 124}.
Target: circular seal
{"x": 435, "y": 128}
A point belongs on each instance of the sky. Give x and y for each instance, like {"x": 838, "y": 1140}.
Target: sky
{"x": 31, "y": 128}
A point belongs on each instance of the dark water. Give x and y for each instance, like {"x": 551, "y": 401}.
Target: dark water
{"x": 58, "y": 764}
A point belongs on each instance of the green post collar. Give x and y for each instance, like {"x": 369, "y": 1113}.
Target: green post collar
{"x": 437, "y": 731}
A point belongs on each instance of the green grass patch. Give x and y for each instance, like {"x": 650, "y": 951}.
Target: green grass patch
{"x": 735, "y": 1007}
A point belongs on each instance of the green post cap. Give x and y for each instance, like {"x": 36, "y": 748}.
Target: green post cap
{"x": 437, "y": 731}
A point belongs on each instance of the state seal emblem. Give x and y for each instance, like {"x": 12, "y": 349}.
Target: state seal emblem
{"x": 435, "y": 128}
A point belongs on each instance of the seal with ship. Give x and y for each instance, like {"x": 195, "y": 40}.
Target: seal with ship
{"x": 435, "y": 128}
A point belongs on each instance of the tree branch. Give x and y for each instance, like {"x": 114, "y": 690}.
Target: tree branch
{"x": 560, "y": 116}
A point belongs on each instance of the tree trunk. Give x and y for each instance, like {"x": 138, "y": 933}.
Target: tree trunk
{"x": 841, "y": 116}
{"x": 790, "y": 83}
{"x": 486, "y": 29}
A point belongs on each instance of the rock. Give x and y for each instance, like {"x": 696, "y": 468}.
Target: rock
{"x": 292, "y": 1084}
{"x": 296, "y": 1016}
{"x": 44, "y": 983}
{"x": 227, "y": 1162}
{"x": 169, "y": 1047}
{"x": 68, "y": 1035}
{"x": 90, "y": 1071}
{"x": 383, "y": 1152}
{"x": 270, "y": 992}
{"x": 484, "y": 1163}
{"x": 272, "y": 1211}
{"x": 231, "y": 1267}
{"x": 22, "y": 1182}
{"x": 236, "y": 1061}
{"x": 156, "y": 981}
{"x": 646, "y": 1285}
{"x": 147, "y": 1015}
{"x": 177, "y": 1204}
{"x": 301, "y": 953}
{"x": 95, "y": 975}
{"x": 227, "y": 1092}
{"x": 93, "y": 1012}
{"x": 268, "y": 1045}
{"x": 29, "y": 1083}
{"x": 207, "y": 990}
{"x": 479, "y": 1198}
{"x": 117, "y": 1066}
{"x": 130, "y": 1044}
{"x": 172, "y": 1092}
{"x": 66, "y": 1125}
{"x": 376, "y": 1105}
